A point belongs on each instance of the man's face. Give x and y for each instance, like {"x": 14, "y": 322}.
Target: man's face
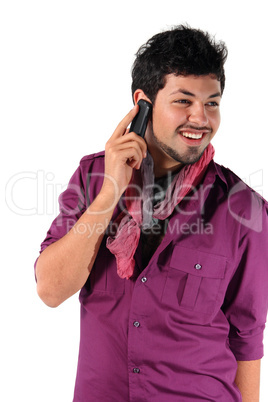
{"x": 185, "y": 118}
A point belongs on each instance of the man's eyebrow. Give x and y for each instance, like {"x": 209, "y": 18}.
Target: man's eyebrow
{"x": 215, "y": 95}
{"x": 185, "y": 92}
{"x": 182, "y": 91}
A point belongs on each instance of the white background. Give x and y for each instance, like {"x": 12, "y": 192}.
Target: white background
{"x": 65, "y": 85}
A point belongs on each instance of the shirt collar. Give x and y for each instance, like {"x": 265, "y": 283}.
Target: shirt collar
{"x": 215, "y": 170}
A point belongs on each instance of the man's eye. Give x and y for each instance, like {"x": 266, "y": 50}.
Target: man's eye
{"x": 182, "y": 101}
{"x": 213, "y": 104}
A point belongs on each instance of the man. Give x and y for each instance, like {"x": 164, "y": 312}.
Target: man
{"x": 168, "y": 248}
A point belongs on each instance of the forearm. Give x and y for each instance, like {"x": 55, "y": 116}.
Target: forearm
{"x": 248, "y": 380}
{"x": 63, "y": 267}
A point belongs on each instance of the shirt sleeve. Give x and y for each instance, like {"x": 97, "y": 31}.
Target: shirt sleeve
{"x": 246, "y": 300}
{"x": 72, "y": 204}
{"x": 83, "y": 187}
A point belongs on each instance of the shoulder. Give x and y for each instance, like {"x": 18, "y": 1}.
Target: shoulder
{"x": 244, "y": 203}
{"x": 90, "y": 169}
{"x": 89, "y": 159}
{"x": 235, "y": 184}
{"x": 228, "y": 176}
{"x": 92, "y": 162}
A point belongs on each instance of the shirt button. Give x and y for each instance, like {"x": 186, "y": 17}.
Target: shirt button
{"x": 144, "y": 279}
{"x": 198, "y": 266}
{"x": 136, "y": 370}
{"x": 136, "y": 324}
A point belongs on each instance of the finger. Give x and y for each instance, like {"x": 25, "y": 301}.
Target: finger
{"x": 127, "y": 151}
{"x": 130, "y": 137}
{"x": 122, "y": 126}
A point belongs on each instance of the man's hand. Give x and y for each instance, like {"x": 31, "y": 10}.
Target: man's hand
{"x": 124, "y": 152}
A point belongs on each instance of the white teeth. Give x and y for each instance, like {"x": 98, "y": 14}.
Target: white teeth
{"x": 191, "y": 135}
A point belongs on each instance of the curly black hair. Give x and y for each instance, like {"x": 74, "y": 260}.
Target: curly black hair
{"x": 181, "y": 50}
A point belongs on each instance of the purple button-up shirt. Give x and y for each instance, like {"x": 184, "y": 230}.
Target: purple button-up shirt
{"x": 174, "y": 331}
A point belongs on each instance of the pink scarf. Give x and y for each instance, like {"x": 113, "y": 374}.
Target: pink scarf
{"x": 139, "y": 210}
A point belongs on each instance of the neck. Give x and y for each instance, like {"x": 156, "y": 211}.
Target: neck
{"x": 160, "y": 171}
{"x": 163, "y": 165}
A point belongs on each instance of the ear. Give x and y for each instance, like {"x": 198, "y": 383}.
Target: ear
{"x": 138, "y": 95}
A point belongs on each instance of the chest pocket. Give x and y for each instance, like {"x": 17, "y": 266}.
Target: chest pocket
{"x": 104, "y": 277}
{"x": 194, "y": 280}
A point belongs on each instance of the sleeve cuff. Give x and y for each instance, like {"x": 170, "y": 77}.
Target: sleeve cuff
{"x": 247, "y": 348}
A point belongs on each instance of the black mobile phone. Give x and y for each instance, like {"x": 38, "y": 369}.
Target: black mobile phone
{"x": 141, "y": 119}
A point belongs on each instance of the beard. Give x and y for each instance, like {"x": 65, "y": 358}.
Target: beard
{"x": 192, "y": 156}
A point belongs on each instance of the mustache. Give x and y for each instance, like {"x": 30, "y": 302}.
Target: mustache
{"x": 188, "y": 126}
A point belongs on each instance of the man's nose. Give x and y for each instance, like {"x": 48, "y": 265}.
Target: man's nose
{"x": 198, "y": 115}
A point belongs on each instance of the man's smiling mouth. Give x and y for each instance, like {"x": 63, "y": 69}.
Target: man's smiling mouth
{"x": 192, "y": 135}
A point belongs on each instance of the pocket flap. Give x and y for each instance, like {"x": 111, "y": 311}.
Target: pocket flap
{"x": 198, "y": 263}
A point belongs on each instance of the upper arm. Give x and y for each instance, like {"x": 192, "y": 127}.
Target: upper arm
{"x": 246, "y": 298}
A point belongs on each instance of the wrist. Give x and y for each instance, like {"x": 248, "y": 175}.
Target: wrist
{"x": 105, "y": 202}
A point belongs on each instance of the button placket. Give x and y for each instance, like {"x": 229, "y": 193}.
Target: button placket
{"x": 136, "y": 340}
